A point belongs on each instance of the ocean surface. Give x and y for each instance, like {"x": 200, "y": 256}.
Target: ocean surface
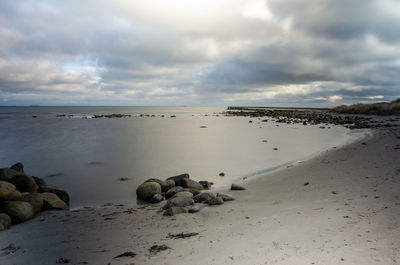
{"x": 87, "y": 156}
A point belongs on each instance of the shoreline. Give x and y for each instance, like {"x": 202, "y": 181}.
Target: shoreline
{"x": 349, "y": 213}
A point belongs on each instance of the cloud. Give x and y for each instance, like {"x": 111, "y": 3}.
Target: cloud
{"x": 248, "y": 52}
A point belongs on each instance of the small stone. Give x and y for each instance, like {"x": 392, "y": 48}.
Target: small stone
{"x": 203, "y": 197}
{"x": 237, "y": 187}
{"x": 221, "y": 174}
{"x": 156, "y": 198}
{"x": 196, "y": 207}
{"x": 171, "y": 192}
{"x": 174, "y": 210}
{"x": 183, "y": 194}
{"x": 225, "y": 197}
{"x": 178, "y": 202}
{"x": 215, "y": 201}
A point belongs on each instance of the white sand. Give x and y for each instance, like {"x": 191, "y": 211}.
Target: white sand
{"x": 348, "y": 214}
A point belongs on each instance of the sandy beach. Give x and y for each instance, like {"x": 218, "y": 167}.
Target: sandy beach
{"x": 342, "y": 207}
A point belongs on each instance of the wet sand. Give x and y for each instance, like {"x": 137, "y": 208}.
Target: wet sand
{"x": 342, "y": 207}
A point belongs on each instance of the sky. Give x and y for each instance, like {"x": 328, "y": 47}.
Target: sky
{"x": 199, "y": 52}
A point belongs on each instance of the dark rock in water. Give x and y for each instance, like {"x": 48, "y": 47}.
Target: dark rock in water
{"x": 18, "y": 211}
{"x": 53, "y": 202}
{"x": 5, "y": 221}
{"x": 221, "y": 174}
{"x": 178, "y": 202}
{"x": 196, "y": 207}
{"x": 39, "y": 182}
{"x": 96, "y": 163}
{"x": 171, "y": 192}
{"x": 34, "y": 116}
{"x": 54, "y": 175}
{"x": 167, "y": 185}
{"x": 203, "y": 127}
{"x": 174, "y": 210}
{"x": 8, "y": 192}
{"x": 35, "y": 199}
{"x": 206, "y": 184}
{"x": 187, "y": 194}
{"x": 203, "y": 197}
{"x": 179, "y": 179}
{"x": 19, "y": 167}
{"x": 237, "y": 187}
{"x": 191, "y": 184}
{"x": 275, "y": 149}
{"x": 62, "y": 194}
{"x": 225, "y": 197}
{"x": 124, "y": 179}
{"x": 146, "y": 190}
{"x": 156, "y": 198}
{"x": 24, "y": 183}
{"x": 215, "y": 201}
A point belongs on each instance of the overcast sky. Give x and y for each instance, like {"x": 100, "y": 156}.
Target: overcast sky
{"x": 199, "y": 52}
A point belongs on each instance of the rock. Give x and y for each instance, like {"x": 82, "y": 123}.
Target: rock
{"x": 174, "y": 210}
{"x": 196, "y": 207}
{"x": 206, "y": 184}
{"x": 146, "y": 190}
{"x": 19, "y": 167}
{"x": 204, "y": 197}
{"x": 237, "y": 187}
{"x": 6, "y": 174}
{"x": 191, "y": 184}
{"x": 18, "y": 211}
{"x": 35, "y": 199}
{"x": 8, "y": 192}
{"x": 215, "y": 201}
{"x": 178, "y": 202}
{"x": 225, "y": 197}
{"x": 193, "y": 191}
{"x": 24, "y": 183}
{"x": 62, "y": 194}
{"x": 53, "y": 202}
{"x": 179, "y": 179}
{"x": 167, "y": 185}
{"x": 156, "y": 198}
{"x": 171, "y": 192}
{"x": 159, "y": 181}
{"x": 39, "y": 182}
{"x": 221, "y": 174}
{"x": 187, "y": 194}
{"x": 5, "y": 221}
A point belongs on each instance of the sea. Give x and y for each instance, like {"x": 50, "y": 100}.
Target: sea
{"x": 101, "y": 161}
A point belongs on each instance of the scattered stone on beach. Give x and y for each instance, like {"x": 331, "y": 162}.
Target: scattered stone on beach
{"x": 215, "y": 201}
{"x": 306, "y": 183}
{"x": 225, "y": 197}
{"x": 19, "y": 211}
{"x": 206, "y": 184}
{"x": 158, "y": 248}
{"x": 222, "y": 174}
{"x": 179, "y": 179}
{"x": 191, "y": 184}
{"x": 146, "y": 190}
{"x": 24, "y": 183}
{"x": 178, "y": 202}
{"x": 156, "y": 198}
{"x": 19, "y": 167}
{"x": 34, "y": 199}
{"x": 175, "y": 210}
{"x": 171, "y": 192}
{"x": 182, "y": 235}
{"x": 196, "y": 207}
{"x": 203, "y": 127}
{"x": 237, "y": 187}
{"x": 52, "y": 202}
{"x": 275, "y": 148}
{"x": 204, "y": 197}
{"x": 8, "y": 192}
{"x": 128, "y": 254}
{"x": 62, "y": 194}
{"x": 186, "y": 194}
{"x": 5, "y": 221}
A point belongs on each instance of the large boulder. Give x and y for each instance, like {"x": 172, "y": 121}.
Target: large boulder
{"x": 62, "y": 194}
{"x": 6, "y": 174}
{"x": 147, "y": 190}
{"x": 171, "y": 192}
{"x": 18, "y": 167}
{"x": 53, "y": 202}
{"x": 204, "y": 197}
{"x": 191, "y": 184}
{"x": 179, "y": 179}
{"x": 8, "y": 192}
{"x": 24, "y": 183}
{"x": 35, "y": 199}
{"x": 5, "y": 221}
{"x": 18, "y": 211}
{"x": 178, "y": 202}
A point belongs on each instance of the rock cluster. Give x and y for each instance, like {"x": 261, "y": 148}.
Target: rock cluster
{"x": 23, "y": 196}
{"x": 182, "y": 194}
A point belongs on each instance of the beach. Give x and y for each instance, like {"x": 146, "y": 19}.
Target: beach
{"x": 342, "y": 207}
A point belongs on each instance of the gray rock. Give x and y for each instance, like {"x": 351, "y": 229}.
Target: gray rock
{"x": 8, "y": 192}
{"x": 225, "y": 197}
{"x": 174, "y": 210}
{"x": 24, "y": 183}
{"x": 62, "y": 194}
{"x": 215, "y": 201}
{"x": 204, "y": 197}
{"x": 193, "y": 191}
{"x": 159, "y": 181}
{"x": 156, "y": 198}
{"x": 196, "y": 207}
{"x": 171, "y": 192}
{"x": 179, "y": 179}
{"x": 206, "y": 184}
{"x": 178, "y": 202}
{"x": 167, "y": 185}
{"x": 35, "y": 199}
{"x": 146, "y": 190}
{"x": 191, "y": 184}
{"x": 18, "y": 211}
{"x": 53, "y": 202}
{"x": 18, "y": 167}
{"x": 5, "y": 221}
{"x": 39, "y": 182}
{"x": 183, "y": 194}
{"x": 237, "y": 187}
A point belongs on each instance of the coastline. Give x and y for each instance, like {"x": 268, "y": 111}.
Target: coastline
{"x": 349, "y": 213}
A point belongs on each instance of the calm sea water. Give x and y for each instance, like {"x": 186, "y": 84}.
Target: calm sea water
{"x": 87, "y": 156}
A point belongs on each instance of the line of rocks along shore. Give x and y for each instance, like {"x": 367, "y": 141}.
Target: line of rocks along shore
{"x": 23, "y": 196}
